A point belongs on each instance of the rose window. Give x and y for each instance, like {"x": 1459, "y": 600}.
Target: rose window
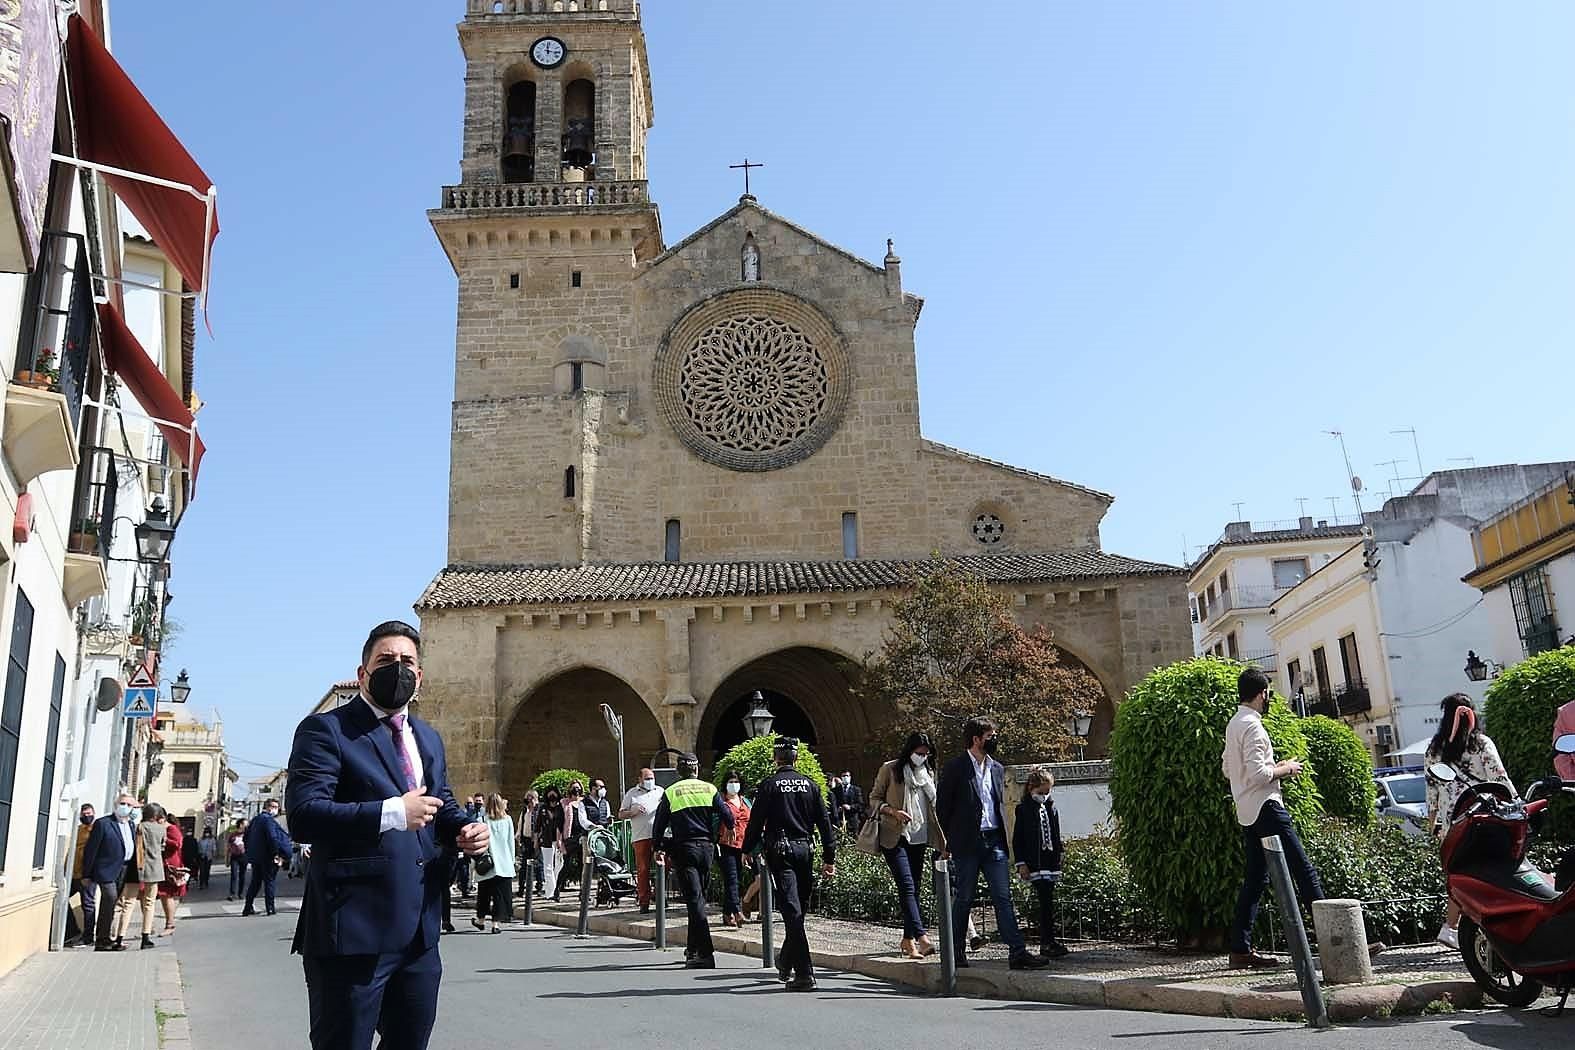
{"x": 753, "y": 384}
{"x": 989, "y": 529}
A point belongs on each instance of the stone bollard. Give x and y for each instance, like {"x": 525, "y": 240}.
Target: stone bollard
{"x": 1342, "y": 941}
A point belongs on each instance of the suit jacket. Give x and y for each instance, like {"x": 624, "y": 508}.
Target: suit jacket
{"x": 104, "y": 857}
{"x": 959, "y": 806}
{"x": 1028, "y": 840}
{"x": 368, "y": 892}
{"x": 265, "y": 840}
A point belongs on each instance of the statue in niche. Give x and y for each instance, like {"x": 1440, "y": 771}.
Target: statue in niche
{"x": 750, "y": 259}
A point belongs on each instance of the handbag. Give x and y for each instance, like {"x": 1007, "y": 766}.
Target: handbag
{"x": 869, "y": 837}
{"x": 482, "y": 865}
{"x": 180, "y": 876}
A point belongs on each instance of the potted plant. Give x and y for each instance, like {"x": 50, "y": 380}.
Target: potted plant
{"x": 141, "y": 623}
{"x": 84, "y": 537}
{"x": 45, "y": 373}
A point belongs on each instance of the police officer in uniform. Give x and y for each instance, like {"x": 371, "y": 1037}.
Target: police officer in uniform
{"x": 788, "y": 808}
{"x": 692, "y": 810}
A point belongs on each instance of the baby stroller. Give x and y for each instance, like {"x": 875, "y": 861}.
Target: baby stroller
{"x": 613, "y": 880}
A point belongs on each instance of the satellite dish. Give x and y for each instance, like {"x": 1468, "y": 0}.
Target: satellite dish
{"x": 1356, "y": 483}
{"x": 109, "y": 694}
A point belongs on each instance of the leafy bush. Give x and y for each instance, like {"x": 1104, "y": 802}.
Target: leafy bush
{"x": 1178, "y": 824}
{"x": 1342, "y": 767}
{"x": 752, "y": 761}
{"x": 1399, "y": 876}
{"x": 558, "y": 778}
{"x": 1521, "y": 705}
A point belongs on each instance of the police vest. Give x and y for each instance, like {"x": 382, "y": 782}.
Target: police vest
{"x": 690, "y": 794}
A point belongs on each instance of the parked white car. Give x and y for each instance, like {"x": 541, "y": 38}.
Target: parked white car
{"x": 1403, "y": 797}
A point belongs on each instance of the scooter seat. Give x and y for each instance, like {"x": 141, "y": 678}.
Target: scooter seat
{"x": 1526, "y": 880}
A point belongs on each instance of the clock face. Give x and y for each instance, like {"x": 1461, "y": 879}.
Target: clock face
{"x": 548, "y": 52}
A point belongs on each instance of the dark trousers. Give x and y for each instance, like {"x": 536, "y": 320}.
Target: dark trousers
{"x": 87, "y": 890}
{"x": 462, "y": 876}
{"x": 691, "y": 863}
{"x": 731, "y": 862}
{"x": 263, "y": 875}
{"x": 989, "y": 858}
{"x": 495, "y": 897}
{"x": 1272, "y": 820}
{"x": 906, "y": 862}
{"x": 103, "y": 927}
{"x": 1044, "y": 890}
{"x": 237, "y": 876}
{"x": 351, "y": 997}
{"x": 204, "y": 872}
{"x": 527, "y": 853}
{"x": 793, "y": 882}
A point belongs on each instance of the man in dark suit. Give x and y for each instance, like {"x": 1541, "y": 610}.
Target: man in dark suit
{"x": 850, "y": 803}
{"x": 369, "y": 790}
{"x": 267, "y": 847}
{"x": 970, "y": 802}
{"x": 104, "y": 865}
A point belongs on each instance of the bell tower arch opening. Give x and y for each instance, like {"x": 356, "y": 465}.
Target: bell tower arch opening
{"x": 519, "y": 128}
{"x": 579, "y": 129}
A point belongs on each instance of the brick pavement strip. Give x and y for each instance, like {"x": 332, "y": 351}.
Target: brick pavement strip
{"x": 1116, "y": 977}
{"x": 84, "y": 1000}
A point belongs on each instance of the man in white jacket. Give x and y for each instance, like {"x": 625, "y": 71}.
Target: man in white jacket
{"x": 1260, "y": 810}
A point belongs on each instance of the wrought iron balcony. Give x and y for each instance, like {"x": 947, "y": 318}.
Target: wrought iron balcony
{"x": 1354, "y": 698}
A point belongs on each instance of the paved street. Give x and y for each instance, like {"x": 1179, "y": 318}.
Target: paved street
{"x": 245, "y": 992}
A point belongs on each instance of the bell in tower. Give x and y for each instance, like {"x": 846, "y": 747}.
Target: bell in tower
{"x": 579, "y": 130}
{"x": 519, "y": 135}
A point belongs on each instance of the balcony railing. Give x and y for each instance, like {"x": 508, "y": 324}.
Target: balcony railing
{"x": 478, "y": 8}
{"x": 543, "y": 195}
{"x": 93, "y": 510}
{"x": 52, "y": 353}
{"x": 1322, "y": 704}
{"x": 1243, "y": 598}
{"x": 1354, "y": 698}
{"x": 1267, "y": 662}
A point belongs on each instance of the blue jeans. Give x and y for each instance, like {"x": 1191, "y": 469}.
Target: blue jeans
{"x": 1272, "y": 820}
{"x": 906, "y": 862}
{"x": 989, "y": 858}
{"x": 237, "y": 877}
{"x": 731, "y": 861}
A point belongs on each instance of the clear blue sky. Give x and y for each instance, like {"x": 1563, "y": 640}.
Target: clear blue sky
{"x": 1164, "y": 246}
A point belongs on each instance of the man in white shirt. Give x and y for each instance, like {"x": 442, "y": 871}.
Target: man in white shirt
{"x": 1255, "y": 778}
{"x": 639, "y": 809}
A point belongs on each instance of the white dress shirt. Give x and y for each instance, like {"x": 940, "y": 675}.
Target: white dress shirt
{"x": 981, "y": 772}
{"x": 394, "y": 818}
{"x": 645, "y": 803}
{"x": 1248, "y": 763}
{"x": 124, "y": 827}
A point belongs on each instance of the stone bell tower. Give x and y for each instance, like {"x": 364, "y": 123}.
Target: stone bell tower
{"x": 546, "y": 231}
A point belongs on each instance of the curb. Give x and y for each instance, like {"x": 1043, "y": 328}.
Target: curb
{"x": 1200, "y": 998}
{"x": 169, "y": 1002}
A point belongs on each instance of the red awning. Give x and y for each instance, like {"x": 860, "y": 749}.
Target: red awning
{"x": 117, "y": 127}
{"x": 128, "y": 360}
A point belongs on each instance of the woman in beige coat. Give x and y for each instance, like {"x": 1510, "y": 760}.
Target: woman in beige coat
{"x": 903, "y": 800}
{"x": 145, "y": 871}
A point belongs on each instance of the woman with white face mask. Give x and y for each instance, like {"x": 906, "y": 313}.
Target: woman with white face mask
{"x": 731, "y": 854}
{"x": 903, "y": 800}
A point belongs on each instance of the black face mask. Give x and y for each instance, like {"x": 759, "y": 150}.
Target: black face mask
{"x": 87, "y": 818}
{"x": 989, "y": 746}
{"x": 391, "y": 686}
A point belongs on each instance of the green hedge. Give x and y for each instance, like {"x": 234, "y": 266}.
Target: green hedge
{"x": 1179, "y": 832}
{"x": 1521, "y": 705}
{"x": 558, "y": 778}
{"x": 1343, "y": 769}
{"x": 752, "y": 760}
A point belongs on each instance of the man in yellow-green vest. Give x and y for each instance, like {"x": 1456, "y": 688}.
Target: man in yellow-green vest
{"x": 690, "y": 812}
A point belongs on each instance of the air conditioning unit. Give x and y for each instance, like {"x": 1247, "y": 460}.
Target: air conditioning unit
{"x": 1386, "y": 736}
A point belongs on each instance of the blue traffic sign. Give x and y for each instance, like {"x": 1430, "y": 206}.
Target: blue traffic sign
{"x": 140, "y": 702}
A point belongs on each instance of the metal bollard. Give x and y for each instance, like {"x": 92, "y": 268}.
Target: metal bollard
{"x": 768, "y": 948}
{"x": 530, "y": 892}
{"x": 587, "y": 876}
{"x": 1301, "y": 952}
{"x": 943, "y": 905}
{"x": 660, "y": 875}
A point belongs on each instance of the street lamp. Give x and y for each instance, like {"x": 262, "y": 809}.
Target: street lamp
{"x": 615, "y": 726}
{"x": 155, "y": 534}
{"x": 180, "y": 690}
{"x": 1476, "y": 668}
{"x": 757, "y": 722}
{"x": 1080, "y": 723}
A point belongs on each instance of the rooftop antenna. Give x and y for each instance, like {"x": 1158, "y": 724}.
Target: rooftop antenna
{"x": 1238, "y": 505}
{"x": 1334, "y": 507}
{"x": 1356, "y": 482}
{"x": 1394, "y": 467}
{"x": 1301, "y": 504}
{"x": 1469, "y": 461}
{"x": 1415, "y": 447}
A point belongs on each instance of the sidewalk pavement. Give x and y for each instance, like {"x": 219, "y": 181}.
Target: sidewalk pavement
{"x": 1121, "y": 977}
{"x": 79, "y": 999}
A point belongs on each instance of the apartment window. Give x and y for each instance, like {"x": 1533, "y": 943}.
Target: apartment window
{"x": 1232, "y": 647}
{"x": 850, "y": 535}
{"x": 1288, "y": 572}
{"x": 46, "y": 792}
{"x": 1321, "y": 672}
{"x": 568, "y": 483}
{"x": 574, "y": 279}
{"x": 1350, "y": 662}
{"x": 577, "y": 376}
{"x": 184, "y": 775}
{"x": 514, "y": 280}
{"x": 674, "y": 534}
{"x": 11, "y": 710}
{"x": 1528, "y": 593}
{"x": 1293, "y": 676}
{"x": 1224, "y": 584}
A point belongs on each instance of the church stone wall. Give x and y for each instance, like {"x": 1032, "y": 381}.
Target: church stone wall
{"x": 1038, "y": 515}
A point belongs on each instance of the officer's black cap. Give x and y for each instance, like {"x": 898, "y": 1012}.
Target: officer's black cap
{"x": 689, "y": 758}
{"x": 786, "y": 743}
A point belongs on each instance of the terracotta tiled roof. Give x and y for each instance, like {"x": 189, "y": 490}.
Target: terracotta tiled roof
{"x": 1328, "y": 532}
{"x": 459, "y": 586}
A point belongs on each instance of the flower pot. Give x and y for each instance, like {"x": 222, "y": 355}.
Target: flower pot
{"x": 134, "y": 639}
{"x": 84, "y": 542}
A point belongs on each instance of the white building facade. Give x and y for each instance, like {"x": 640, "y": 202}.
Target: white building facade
{"x": 1524, "y": 567}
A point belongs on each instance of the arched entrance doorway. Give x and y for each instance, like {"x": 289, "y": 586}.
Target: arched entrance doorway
{"x": 1104, "y": 711}
{"x": 810, "y": 691}
{"x": 559, "y": 724}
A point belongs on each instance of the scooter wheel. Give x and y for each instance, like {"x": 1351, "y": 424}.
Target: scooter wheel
{"x": 1490, "y": 972}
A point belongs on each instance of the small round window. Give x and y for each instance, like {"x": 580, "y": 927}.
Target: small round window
{"x": 989, "y": 529}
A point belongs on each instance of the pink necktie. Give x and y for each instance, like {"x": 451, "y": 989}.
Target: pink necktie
{"x": 397, "y": 723}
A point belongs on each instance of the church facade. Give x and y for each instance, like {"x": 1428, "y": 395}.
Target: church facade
{"x": 684, "y": 472}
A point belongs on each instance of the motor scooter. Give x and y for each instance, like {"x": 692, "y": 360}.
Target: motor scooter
{"x": 1517, "y": 928}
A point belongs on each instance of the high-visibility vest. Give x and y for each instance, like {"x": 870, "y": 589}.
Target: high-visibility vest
{"x": 690, "y": 794}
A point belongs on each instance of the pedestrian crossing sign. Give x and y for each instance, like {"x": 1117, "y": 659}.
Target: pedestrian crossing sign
{"x": 140, "y": 702}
